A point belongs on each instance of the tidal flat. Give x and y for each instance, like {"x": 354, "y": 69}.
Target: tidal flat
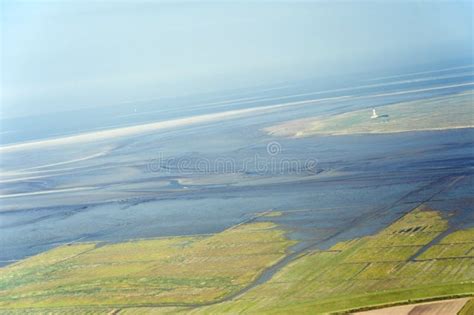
{"x": 194, "y": 182}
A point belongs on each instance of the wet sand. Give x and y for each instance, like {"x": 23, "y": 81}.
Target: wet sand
{"x": 151, "y": 184}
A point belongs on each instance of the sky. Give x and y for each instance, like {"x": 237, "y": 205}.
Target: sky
{"x": 63, "y": 55}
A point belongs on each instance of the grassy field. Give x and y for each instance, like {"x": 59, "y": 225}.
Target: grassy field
{"x": 374, "y": 270}
{"x": 446, "y": 112}
{"x": 194, "y": 274}
{"x": 179, "y": 270}
{"x": 468, "y": 308}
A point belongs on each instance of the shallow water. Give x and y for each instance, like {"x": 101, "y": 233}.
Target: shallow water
{"x": 169, "y": 182}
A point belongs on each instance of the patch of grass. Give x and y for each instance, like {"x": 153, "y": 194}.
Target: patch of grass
{"x": 444, "y": 112}
{"x": 462, "y": 236}
{"x": 379, "y": 254}
{"x": 367, "y": 272}
{"x": 468, "y": 308}
{"x": 273, "y": 214}
{"x": 180, "y": 274}
{"x": 449, "y": 251}
{"x": 177, "y": 270}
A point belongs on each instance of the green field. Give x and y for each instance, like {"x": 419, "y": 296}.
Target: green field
{"x": 374, "y": 270}
{"x": 196, "y": 274}
{"x": 468, "y": 308}
{"x": 178, "y": 270}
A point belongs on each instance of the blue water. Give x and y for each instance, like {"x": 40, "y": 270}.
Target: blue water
{"x": 360, "y": 184}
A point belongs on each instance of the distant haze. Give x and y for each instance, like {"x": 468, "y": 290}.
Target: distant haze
{"x": 64, "y": 55}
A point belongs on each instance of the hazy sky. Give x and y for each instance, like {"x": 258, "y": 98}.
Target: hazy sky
{"x": 60, "y": 55}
